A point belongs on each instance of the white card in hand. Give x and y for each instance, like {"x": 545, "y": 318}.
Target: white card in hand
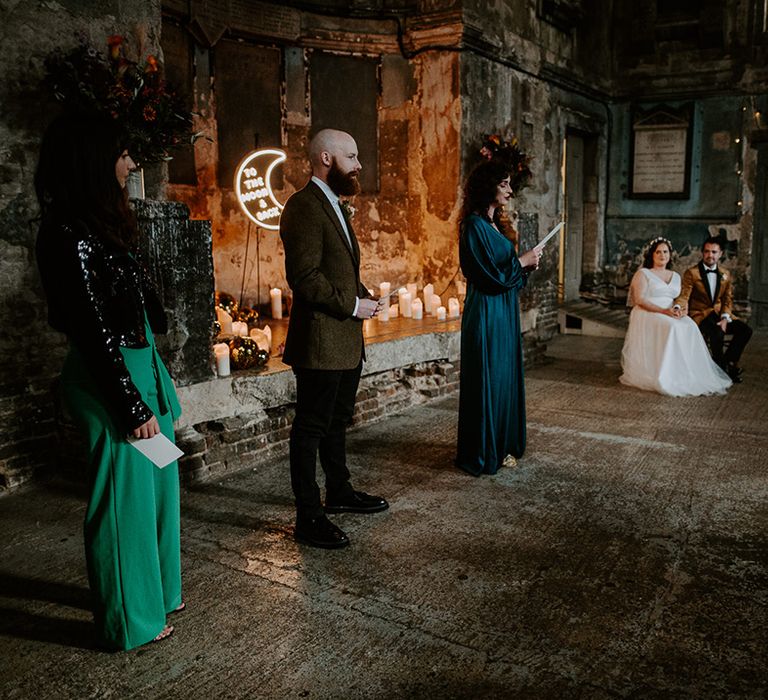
{"x": 158, "y": 449}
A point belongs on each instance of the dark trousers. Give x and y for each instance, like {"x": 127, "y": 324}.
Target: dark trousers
{"x": 714, "y": 336}
{"x": 325, "y": 402}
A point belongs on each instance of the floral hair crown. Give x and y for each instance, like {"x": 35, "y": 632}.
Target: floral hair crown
{"x": 514, "y": 158}
{"x": 656, "y": 241}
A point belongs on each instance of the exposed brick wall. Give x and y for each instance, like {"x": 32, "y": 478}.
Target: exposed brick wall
{"x": 217, "y": 447}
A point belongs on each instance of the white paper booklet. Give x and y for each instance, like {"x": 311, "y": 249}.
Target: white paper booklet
{"x": 158, "y": 449}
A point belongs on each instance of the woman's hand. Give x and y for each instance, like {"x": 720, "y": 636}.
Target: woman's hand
{"x": 531, "y": 258}
{"x": 147, "y": 430}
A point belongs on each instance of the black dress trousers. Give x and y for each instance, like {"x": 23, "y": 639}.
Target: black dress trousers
{"x": 325, "y": 403}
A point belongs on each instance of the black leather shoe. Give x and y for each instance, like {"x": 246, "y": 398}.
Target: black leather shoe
{"x": 320, "y": 532}
{"x": 734, "y": 373}
{"x": 356, "y": 502}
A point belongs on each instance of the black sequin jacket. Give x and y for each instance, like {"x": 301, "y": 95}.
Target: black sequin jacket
{"x": 97, "y": 295}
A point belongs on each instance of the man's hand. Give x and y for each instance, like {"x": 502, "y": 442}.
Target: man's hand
{"x": 723, "y": 323}
{"x": 367, "y": 308}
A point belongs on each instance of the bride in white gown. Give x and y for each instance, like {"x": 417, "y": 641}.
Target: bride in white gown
{"x": 664, "y": 350}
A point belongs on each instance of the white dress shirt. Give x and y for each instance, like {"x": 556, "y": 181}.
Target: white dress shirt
{"x": 333, "y": 198}
{"x": 711, "y": 279}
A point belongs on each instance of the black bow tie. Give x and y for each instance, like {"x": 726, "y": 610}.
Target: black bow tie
{"x": 711, "y": 272}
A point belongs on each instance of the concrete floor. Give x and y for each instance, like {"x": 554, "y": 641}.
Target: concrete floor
{"x": 625, "y": 556}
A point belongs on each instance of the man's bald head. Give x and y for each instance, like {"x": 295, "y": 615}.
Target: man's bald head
{"x": 333, "y": 156}
{"x": 328, "y": 143}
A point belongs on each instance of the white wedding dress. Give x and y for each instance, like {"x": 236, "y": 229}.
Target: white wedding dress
{"x": 662, "y": 353}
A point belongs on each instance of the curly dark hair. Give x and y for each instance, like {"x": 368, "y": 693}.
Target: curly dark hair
{"x": 480, "y": 190}
{"x": 655, "y": 243}
{"x": 75, "y": 178}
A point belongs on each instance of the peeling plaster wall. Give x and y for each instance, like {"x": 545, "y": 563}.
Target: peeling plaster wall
{"x": 407, "y": 230}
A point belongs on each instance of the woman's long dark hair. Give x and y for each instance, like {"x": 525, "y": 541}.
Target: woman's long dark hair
{"x": 655, "y": 243}
{"x": 75, "y": 178}
{"x": 480, "y": 193}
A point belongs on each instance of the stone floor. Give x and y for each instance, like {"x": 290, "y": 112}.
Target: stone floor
{"x": 626, "y": 556}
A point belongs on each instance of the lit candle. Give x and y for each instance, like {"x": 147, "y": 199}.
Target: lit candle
{"x": 436, "y": 303}
{"x": 429, "y": 290}
{"x": 225, "y": 321}
{"x": 405, "y": 305}
{"x": 242, "y": 329}
{"x": 441, "y": 313}
{"x": 453, "y": 308}
{"x": 413, "y": 290}
{"x": 393, "y": 310}
{"x": 276, "y": 299}
{"x": 417, "y": 309}
{"x": 221, "y": 352}
{"x": 384, "y": 289}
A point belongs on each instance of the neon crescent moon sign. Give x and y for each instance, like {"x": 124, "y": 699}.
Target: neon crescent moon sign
{"x": 254, "y": 189}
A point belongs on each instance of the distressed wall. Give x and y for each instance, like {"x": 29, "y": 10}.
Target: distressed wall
{"x": 713, "y": 55}
{"x": 30, "y": 352}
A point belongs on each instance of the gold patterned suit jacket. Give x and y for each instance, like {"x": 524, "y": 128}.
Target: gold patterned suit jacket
{"x": 323, "y": 272}
{"x": 695, "y": 297}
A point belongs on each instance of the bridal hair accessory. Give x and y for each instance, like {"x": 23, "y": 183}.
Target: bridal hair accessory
{"x": 657, "y": 240}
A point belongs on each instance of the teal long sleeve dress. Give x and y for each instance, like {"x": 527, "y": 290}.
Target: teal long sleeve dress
{"x": 492, "y": 393}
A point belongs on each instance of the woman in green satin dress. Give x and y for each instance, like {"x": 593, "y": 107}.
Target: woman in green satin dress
{"x": 114, "y": 383}
{"x": 491, "y": 393}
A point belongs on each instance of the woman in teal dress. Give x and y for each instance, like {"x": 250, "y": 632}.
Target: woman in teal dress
{"x": 492, "y": 395}
{"x": 113, "y": 381}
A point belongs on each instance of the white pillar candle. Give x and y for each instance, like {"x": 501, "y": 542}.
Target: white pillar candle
{"x": 384, "y": 289}
{"x": 225, "y": 321}
{"x": 453, "y": 308}
{"x": 429, "y": 290}
{"x": 413, "y": 290}
{"x": 417, "y": 309}
{"x": 440, "y": 313}
{"x": 240, "y": 329}
{"x": 221, "y": 352}
{"x": 400, "y": 293}
{"x": 405, "y": 305}
{"x": 393, "y": 310}
{"x": 276, "y": 299}
{"x": 436, "y": 303}
{"x": 383, "y": 314}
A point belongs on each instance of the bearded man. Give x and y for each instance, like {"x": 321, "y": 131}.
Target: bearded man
{"x": 324, "y": 345}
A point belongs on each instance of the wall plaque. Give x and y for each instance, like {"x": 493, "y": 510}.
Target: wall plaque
{"x": 661, "y": 153}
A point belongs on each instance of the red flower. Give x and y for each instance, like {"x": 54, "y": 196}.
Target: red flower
{"x": 150, "y": 113}
{"x": 114, "y": 42}
{"x": 152, "y": 66}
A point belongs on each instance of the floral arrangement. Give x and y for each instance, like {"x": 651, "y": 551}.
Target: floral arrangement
{"x": 347, "y": 208}
{"x": 509, "y": 152}
{"x": 152, "y": 114}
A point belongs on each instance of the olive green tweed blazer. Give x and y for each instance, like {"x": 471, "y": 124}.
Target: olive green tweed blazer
{"x": 324, "y": 275}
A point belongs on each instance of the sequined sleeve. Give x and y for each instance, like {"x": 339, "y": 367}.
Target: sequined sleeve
{"x": 85, "y": 282}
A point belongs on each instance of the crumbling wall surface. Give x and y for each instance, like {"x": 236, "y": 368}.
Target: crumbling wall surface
{"x": 720, "y": 203}
{"x": 30, "y": 352}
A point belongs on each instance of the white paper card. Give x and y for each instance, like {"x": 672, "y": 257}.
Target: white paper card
{"x": 158, "y": 449}
{"x": 546, "y": 238}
